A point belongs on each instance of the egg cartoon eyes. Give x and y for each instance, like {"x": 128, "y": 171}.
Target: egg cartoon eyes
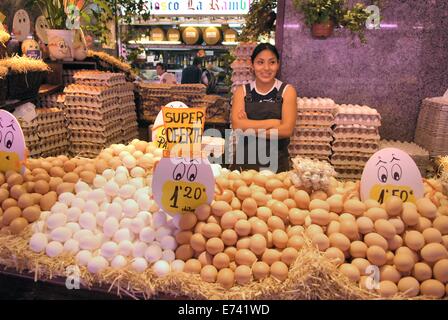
{"x": 192, "y": 172}
{"x": 382, "y": 174}
{"x": 179, "y": 171}
{"x": 9, "y": 139}
{"x": 396, "y": 172}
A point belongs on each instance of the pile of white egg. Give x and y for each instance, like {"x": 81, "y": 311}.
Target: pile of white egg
{"x": 114, "y": 224}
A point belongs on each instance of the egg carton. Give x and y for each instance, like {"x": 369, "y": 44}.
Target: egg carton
{"x": 51, "y": 101}
{"x": 349, "y": 174}
{"x": 83, "y": 124}
{"x": 52, "y": 132}
{"x": 126, "y": 100}
{"x": 322, "y": 149}
{"x": 90, "y": 113}
{"x": 357, "y": 110}
{"x": 314, "y": 133}
{"x": 355, "y": 145}
{"x": 99, "y": 77}
{"x": 321, "y": 105}
{"x": 55, "y": 143}
{"x": 81, "y": 89}
{"x": 355, "y": 128}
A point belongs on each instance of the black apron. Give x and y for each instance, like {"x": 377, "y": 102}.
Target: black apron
{"x": 263, "y": 111}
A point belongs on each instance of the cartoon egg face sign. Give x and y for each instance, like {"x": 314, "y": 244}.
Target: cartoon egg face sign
{"x": 30, "y": 46}
{"x": 158, "y": 130}
{"x": 21, "y": 25}
{"x": 391, "y": 172}
{"x": 183, "y": 184}
{"x": 41, "y": 27}
{"x": 59, "y": 49}
{"x": 12, "y": 143}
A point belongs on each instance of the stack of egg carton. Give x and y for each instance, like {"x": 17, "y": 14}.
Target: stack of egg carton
{"x": 313, "y": 135}
{"x": 242, "y": 66}
{"x": 356, "y": 139}
{"x": 29, "y": 130}
{"x": 92, "y": 108}
{"x": 417, "y": 153}
{"x": 129, "y": 125}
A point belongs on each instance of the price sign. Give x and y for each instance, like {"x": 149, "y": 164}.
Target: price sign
{"x": 180, "y": 185}
{"x": 391, "y": 172}
{"x": 12, "y": 143}
{"x": 158, "y": 130}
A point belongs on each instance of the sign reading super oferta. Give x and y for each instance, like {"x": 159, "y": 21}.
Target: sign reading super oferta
{"x": 198, "y": 7}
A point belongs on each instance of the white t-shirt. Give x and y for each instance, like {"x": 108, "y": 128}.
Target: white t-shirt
{"x": 168, "y": 78}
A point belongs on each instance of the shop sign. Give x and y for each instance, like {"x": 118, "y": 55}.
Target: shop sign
{"x": 391, "y": 172}
{"x": 12, "y": 144}
{"x": 198, "y": 7}
{"x": 158, "y": 130}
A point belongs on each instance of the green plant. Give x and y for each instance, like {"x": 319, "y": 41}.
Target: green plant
{"x": 259, "y": 21}
{"x": 355, "y": 20}
{"x": 319, "y": 11}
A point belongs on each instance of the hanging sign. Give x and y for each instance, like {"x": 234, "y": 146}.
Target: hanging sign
{"x": 198, "y": 7}
{"x": 391, "y": 172}
{"x": 12, "y": 144}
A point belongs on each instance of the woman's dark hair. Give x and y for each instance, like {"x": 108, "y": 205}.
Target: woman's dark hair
{"x": 161, "y": 65}
{"x": 264, "y": 46}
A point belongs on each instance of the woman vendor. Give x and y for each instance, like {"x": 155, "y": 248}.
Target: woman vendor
{"x": 264, "y": 110}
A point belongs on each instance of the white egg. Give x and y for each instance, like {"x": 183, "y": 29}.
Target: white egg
{"x": 71, "y": 246}
{"x": 87, "y": 220}
{"x": 125, "y": 223}
{"x": 104, "y": 205}
{"x": 154, "y": 207}
{"x": 168, "y": 243}
{"x": 38, "y": 226}
{"x": 111, "y": 188}
{"x": 119, "y": 262}
{"x": 126, "y": 191}
{"x": 82, "y": 234}
{"x": 83, "y": 257}
{"x": 158, "y": 219}
{"x": 118, "y": 148}
{"x": 137, "y": 172}
{"x": 89, "y": 243}
{"x": 75, "y": 227}
{"x": 98, "y": 195}
{"x": 177, "y": 265}
{"x": 144, "y": 203}
{"x": 73, "y": 214}
{"x": 130, "y": 148}
{"x": 61, "y": 234}
{"x": 139, "y": 264}
{"x": 124, "y": 154}
{"x": 142, "y": 191}
{"x": 81, "y": 186}
{"x": 99, "y": 181}
{"x": 110, "y": 226}
{"x": 101, "y": 217}
{"x": 145, "y": 216}
{"x": 97, "y": 264}
{"x": 38, "y": 242}
{"x": 114, "y": 210}
{"x": 121, "y": 179}
{"x": 118, "y": 200}
{"x": 168, "y": 255}
{"x": 83, "y": 195}
{"x": 108, "y": 174}
{"x": 157, "y": 153}
{"x": 147, "y": 235}
{"x": 54, "y": 249}
{"x": 138, "y": 183}
{"x": 137, "y": 225}
{"x": 78, "y": 203}
{"x": 161, "y": 268}
{"x": 153, "y": 253}
{"x": 162, "y": 232}
{"x": 138, "y": 154}
{"x": 122, "y": 234}
{"x": 125, "y": 248}
{"x": 109, "y": 249}
{"x": 130, "y": 208}
{"x": 66, "y": 198}
{"x": 129, "y": 162}
{"x": 139, "y": 249}
{"x": 91, "y": 206}
{"x": 59, "y": 207}
{"x": 56, "y": 220}
{"x": 44, "y": 215}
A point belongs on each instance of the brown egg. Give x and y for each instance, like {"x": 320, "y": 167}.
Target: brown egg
{"x": 28, "y": 186}
{"x": 226, "y": 278}
{"x": 404, "y": 262}
{"x": 229, "y": 237}
{"x": 14, "y": 179}
{"x": 228, "y": 220}
{"x": 69, "y": 166}
{"x": 426, "y": 208}
{"x": 243, "y": 274}
{"x": 390, "y": 258}
{"x": 205, "y": 258}
{"x": 264, "y": 213}
{"x": 297, "y": 216}
{"x": 87, "y": 176}
{"x": 245, "y": 257}
{"x": 335, "y": 255}
{"x": 358, "y": 249}
{"x": 295, "y": 231}
{"x": 280, "y": 210}
{"x": 221, "y": 260}
{"x": 374, "y": 239}
{"x": 280, "y": 194}
{"x": 273, "y": 184}
{"x": 192, "y": 266}
{"x": 18, "y": 225}
{"x": 313, "y": 229}
{"x": 226, "y": 196}
{"x": 423, "y": 224}
{"x": 376, "y": 213}
{"x": 15, "y": 192}
{"x": 260, "y": 270}
{"x": 41, "y": 187}
{"x": 376, "y": 255}
{"x": 214, "y": 246}
{"x": 214, "y": 219}
{"x": 355, "y": 207}
{"x": 54, "y": 183}
{"x": 270, "y": 256}
{"x": 441, "y": 224}
{"x": 320, "y": 216}
{"x": 319, "y": 204}
{"x": 350, "y": 271}
{"x": 279, "y": 238}
{"x": 422, "y": 271}
{"x": 36, "y": 198}
{"x": 409, "y": 286}
{"x": 398, "y": 225}
{"x": 231, "y": 252}
{"x": 336, "y": 204}
{"x": 259, "y": 227}
{"x": 183, "y": 237}
{"x": 279, "y": 270}
{"x": 260, "y": 179}
{"x": 274, "y": 223}
{"x": 302, "y": 199}
{"x": 394, "y": 206}
{"x": 390, "y": 273}
{"x": 211, "y": 230}
{"x": 249, "y": 207}
{"x": 387, "y": 289}
{"x": 71, "y": 177}
{"x": 385, "y": 228}
{"x": 48, "y": 200}
{"x": 25, "y": 200}
{"x": 197, "y": 242}
{"x": 184, "y": 252}
{"x": 433, "y": 252}
{"x": 8, "y": 203}
{"x": 203, "y": 212}
{"x": 243, "y": 227}
{"x": 365, "y": 225}
{"x": 220, "y": 207}
{"x": 395, "y": 243}
{"x": 289, "y": 256}
{"x": 432, "y": 235}
{"x": 333, "y": 227}
{"x": 56, "y": 172}
{"x": 31, "y": 213}
{"x": 338, "y": 240}
{"x": 4, "y": 194}
{"x": 260, "y": 198}
{"x": 187, "y": 221}
{"x": 296, "y": 242}
{"x": 258, "y": 244}
{"x": 320, "y": 241}
{"x": 349, "y": 228}
{"x": 409, "y": 214}
{"x": 243, "y": 243}
{"x": 243, "y": 192}
{"x": 10, "y": 214}
{"x": 362, "y": 265}
{"x": 42, "y": 176}
{"x": 236, "y": 184}
{"x": 432, "y": 288}
{"x": 319, "y": 194}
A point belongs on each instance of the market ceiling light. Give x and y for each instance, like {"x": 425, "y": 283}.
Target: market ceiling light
{"x": 234, "y": 25}
{"x": 226, "y": 43}
{"x": 201, "y": 25}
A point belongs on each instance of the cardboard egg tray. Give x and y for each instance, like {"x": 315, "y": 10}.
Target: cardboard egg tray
{"x": 321, "y": 149}
{"x": 46, "y": 116}
{"x": 51, "y": 131}
{"x": 349, "y": 174}
{"x": 58, "y": 142}
{"x": 67, "y": 76}
{"x": 322, "y": 134}
{"x": 51, "y": 101}
{"x": 126, "y": 99}
{"x": 354, "y": 146}
{"x": 54, "y": 152}
{"x": 87, "y": 113}
{"x": 95, "y": 77}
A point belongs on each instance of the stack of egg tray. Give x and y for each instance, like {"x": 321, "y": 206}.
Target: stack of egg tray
{"x": 129, "y": 129}
{"x": 242, "y": 71}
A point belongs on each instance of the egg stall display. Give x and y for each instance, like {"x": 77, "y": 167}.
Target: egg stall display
{"x": 356, "y": 139}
